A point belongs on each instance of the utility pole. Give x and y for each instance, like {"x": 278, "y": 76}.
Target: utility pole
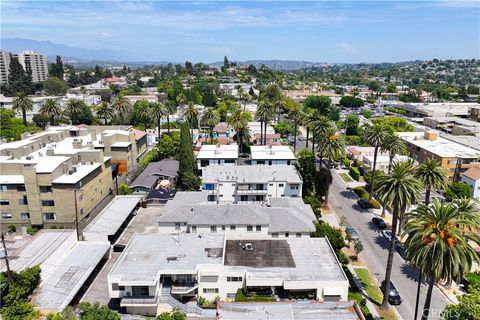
{"x": 76, "y": 214}
{"x": 9, "y": 272}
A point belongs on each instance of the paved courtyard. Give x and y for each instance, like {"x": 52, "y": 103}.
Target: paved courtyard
{"x": 144, "y": 222}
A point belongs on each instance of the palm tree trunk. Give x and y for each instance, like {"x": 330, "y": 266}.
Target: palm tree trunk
{"x": 168, "y": 124}
{"x": 428, "y": 299}
{"x": 373, "y": 174}
{"x": 427, "y": 195}
{"x": 295, "y": 139}
{"x": 24, "y": 115}
{"x": 391, "y": 253}
{"x": 417, "y": 300}
{"x": 52, "y": 121}
{"x": 389, "y": 171}
{"x": 261, "y": 132}
{"x": 158, "y": 126}
{"x": 306, "y": 140}
{"x": 265, "y": 133}
{"x": 313, "y": 142}
{"x": 105, "y": 119}
{"x": 211, "y": 134}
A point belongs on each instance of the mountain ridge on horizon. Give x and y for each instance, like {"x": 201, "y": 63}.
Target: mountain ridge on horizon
{"x": 106, "y": 55}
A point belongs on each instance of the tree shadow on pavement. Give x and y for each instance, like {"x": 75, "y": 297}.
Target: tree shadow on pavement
{"x": 382, "y": 242}
{"x": 410, "y": 272}
{"x": 373, "y": 227}
{"x": 348, "y": 194}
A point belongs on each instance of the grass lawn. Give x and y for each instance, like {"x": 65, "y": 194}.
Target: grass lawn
{"x": 374, "y": 292}
{"x": 345, "y": 177}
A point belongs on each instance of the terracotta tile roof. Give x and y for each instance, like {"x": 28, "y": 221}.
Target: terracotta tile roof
{"x": 138, "y": 133}
{"x": 472, "y": 173}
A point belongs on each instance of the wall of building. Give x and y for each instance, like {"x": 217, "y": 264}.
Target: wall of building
{"x": 474, "y": 184}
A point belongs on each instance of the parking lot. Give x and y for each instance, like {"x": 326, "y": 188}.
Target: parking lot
{"x": 144, "y": 222}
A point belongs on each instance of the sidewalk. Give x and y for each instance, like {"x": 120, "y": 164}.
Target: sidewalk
{"x": 359, "y": 285}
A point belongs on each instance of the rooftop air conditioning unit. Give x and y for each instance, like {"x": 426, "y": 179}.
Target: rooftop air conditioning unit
{"x": 29, "y": 158}
{"x": 248, "y": 247}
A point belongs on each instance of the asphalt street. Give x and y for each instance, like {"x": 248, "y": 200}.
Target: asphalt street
{"x": 375, "y": 253}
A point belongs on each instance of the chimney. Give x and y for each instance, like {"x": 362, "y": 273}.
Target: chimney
{"x": 50, "y": 152}
{"x": 93, "y": 135}
{"x": 431, "y": 135}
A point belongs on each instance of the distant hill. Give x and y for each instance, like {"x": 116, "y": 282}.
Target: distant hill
{"x": 276, "y": 64}
{"x": 68, "y": 53}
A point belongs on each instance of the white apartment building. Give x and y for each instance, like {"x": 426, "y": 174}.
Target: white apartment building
{"x": 190, "y": 212}
{"x": 382, "y": 162}
{"x": 151, "y": 278}
{"x": 215, "y": 155}
{"x": 272, "y": 155}
{"x": 472, "y": 178}
{"x": 254, "y": 128}
{"x": 249, "y": 184}
{"x": 38, "y": 65}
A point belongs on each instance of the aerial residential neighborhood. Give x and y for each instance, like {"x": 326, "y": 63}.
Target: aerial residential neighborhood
{"x": 272, "y": 160}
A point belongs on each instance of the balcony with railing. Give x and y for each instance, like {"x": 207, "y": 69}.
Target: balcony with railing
{"x": 130, "y": 301}
{"x": 251, "y": 191}
{"x": 183, "y": 288}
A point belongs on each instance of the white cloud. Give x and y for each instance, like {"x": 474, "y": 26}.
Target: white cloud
{"x": 346, "y": 47}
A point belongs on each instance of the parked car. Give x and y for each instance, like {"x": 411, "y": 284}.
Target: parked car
{"x": 379, "y": 223}
{"x": 393, "y": 295}
{"x": 364, "y": 204}
{"x": 401, "y": 251}
{"x": 387, "y": 234}
{"x": 352, "y": 233}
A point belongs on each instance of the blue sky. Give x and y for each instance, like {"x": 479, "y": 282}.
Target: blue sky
{"x": 330, "y": 31}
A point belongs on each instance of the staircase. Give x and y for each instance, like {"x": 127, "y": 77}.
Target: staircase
{"x": 166, "y": 297}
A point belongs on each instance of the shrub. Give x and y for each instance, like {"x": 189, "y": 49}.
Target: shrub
{"x": 354, "y": 173}
{"x": 346, "y": 162}
{"x": 315, "y": 203}
{"x": 473, "y": 279}
{"x": 374, "y": 204}
{"x": 334, "y": 235}
{"x": 208, "y": 304}
{"x": 32, "y": 230}
{"x": 12, "y": 229}
{"x": 361, "y": 192}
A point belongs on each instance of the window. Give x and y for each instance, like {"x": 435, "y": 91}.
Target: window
{"x": 3, "y": 188}
{"x": 49, "y": 216}
{"x": 20, "y": 188}
{"x": 6, "y": 215}
{"x": 231, "y": 295}
{"x": 177, "y": 226}
{"x": 249, "y": 228}
{"x": 210, "y": 290}
{"x": 48, "y": 203}
{"x": 121, "y": 288}
{"x": 223, "y": 228}
{"x": 270, "y": 184}
{"x": 4, "y": 202}
{"x": 298, "y": 235}
{"x": 210, "y": 198}
{"x": 208, "y": 186}
{"x": 24, "y": 215}
{"x": 294, "y": 187}
{"x": 232, "y": 227}
{"x": 194, "y": 229}
{"x": 287, "y": 234}
{"x": 234, "y": 279}
{"x": 274, "y": 235}
{"x": 213, "y": 228}
{"x": 258, "y": 228}
{"x": 81, "y": 211}
{"x": 46, "y": 189}
{"x": 280, "y": 185}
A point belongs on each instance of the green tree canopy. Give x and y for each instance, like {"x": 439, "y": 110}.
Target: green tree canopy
{"x": 55, "y": 86}
{"x": 323, "y": 105}
{"x": 457, "y": 190}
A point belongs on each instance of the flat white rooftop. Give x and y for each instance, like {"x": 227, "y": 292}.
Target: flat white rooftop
{"x": 272, "y": 153}
{"x": 287, "y": 310}
{"x": 12, "y": 179}
{"x": 109, "y": 220}
{"x": 251, "y": 174}
{"x": 148, "y": 254}
{"x": 386, "y": 159}
{"x": 81, "y": 172}
{"x": 441, "y": 147}
{"x": 210, "y": 151}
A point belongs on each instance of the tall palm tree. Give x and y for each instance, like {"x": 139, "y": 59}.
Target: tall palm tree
{"x": 394, "y": 145}
{"x": 105, "y": 111}
{"x": 51, "y": 109}
{"x": 264, "y": 114}
{"x": 438, "y": 241}
{"x": 209, "y": 119}
{"x": 432, "y": 175}
{"x": 398, "y": 190}
{"x": 244, "y": 97}
{"x": 158, "y": 111}
{"x": 191, "y": 115}
{"x": 23, "y": 103}
{"x": 181, "y": 100}
{"x": 144, "y": 110}
{"x": 330, "y": 145}
{"x": 122, "y": 108}
{"x": 169, "y": 109}
{"x": 354, "y": 92}
{"x": 319, "y": 125}
{"x": 295, "y": 113}
{"x": 375, "y": 136}
{"x": 305, "y": 120}
{"x": 73, "y": 107}
{"x": 239, "y": 121}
